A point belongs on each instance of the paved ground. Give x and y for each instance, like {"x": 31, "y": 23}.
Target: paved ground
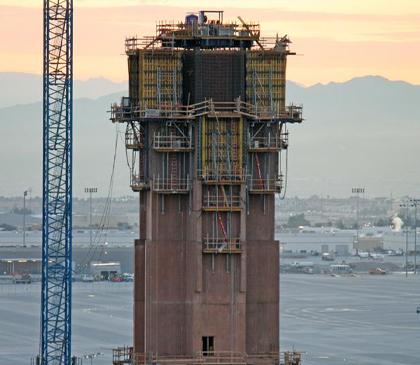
{"x": 366, "y": 320}
{"x": 102, "y": 317}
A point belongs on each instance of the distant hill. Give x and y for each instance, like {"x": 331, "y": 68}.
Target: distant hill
{"x": 22, "y": 88}
{"x": 94, "y": 140}
{"x": 364, "y": 132}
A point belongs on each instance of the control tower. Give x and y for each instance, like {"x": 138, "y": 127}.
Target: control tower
{"x": 206, "y": 124}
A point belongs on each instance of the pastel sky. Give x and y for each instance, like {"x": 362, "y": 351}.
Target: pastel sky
{"x": 335, "y": 39}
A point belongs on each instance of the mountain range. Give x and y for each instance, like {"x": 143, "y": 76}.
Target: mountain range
{"x": 364, "y": 132}
{"x": 22, "y": 88}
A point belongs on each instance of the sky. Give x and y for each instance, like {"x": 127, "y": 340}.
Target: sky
{"x": 335, "y": 40}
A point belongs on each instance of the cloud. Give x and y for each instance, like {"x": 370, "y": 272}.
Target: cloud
{"x": 336, "y": 46}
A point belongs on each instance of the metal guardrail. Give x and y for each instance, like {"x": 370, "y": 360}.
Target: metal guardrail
{"x": 221, "y": 245}
{"x": 267, "y": 143}
{"x": 208, "y": 358}
{"x": 126, "y": 356}
{"x": 138, "y": 183}
{"x": 265, "y": 185}
{"x": 134, "y": 140}
{"x": 171, "y": 142}
{"x": 122, "y": 355}
{"x": 220, "y": 202}
{"x": 215, "y": 177}
{"x": 126, "y": 113}
{"x": 171, "y": 185}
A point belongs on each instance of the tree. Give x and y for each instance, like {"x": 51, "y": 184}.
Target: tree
{"x": 340, "y": 224}
{"x": 7, "y": 227}
{"x": 21, "y": 211}
{"x": 381, "y": 222}
{"x": 297, "y": 220}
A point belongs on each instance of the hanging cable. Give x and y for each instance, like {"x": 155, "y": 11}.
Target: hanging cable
{"x": 98, "y": 246}
{"x": 286, "y": 175}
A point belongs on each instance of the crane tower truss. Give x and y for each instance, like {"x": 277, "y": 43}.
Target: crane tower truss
{"x": 57, "y": 183}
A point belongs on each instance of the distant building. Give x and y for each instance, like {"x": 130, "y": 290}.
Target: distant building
{"x": 368, "y": 244}
{"x": 340, "y": 269}
{"x": 20, "y": 266}
{"x": 342, "y": 250}
{"x": 105, "y": 270}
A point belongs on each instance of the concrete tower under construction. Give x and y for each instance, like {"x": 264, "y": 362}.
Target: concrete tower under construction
{"x": 205, "y": 124}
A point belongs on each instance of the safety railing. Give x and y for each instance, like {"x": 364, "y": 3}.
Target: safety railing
{"x": 265, "y": 186}
{"x": 171, "y": 185}
{"x": 134, "y": 140}
{"x": 172, "y": 31}
{"x": 126, "y": 113}
{"x": 214, "y": 176}
{"x": 220, "y": 203}
{"x": 206, "y": 357}
{"x": 291, "y": 358}
{"x": 122, "y": 356}
{"x": 171, "y": 143}
{"x": 138, "y": 182}
{"x": 221, "y": 245}
{"x": 268, "y": 143}
{"x": 126, "y": 356}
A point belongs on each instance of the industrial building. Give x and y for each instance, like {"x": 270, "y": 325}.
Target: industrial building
{"x": 105, "y": 270}
{"x": 11, "y": 266}
{"x": 205, "y": 125}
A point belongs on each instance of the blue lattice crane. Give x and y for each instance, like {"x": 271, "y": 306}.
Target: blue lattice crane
{"x": 55, "y": 346}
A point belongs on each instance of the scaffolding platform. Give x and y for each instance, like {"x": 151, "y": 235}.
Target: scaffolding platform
{"x": 126, "y": 356}
{"x": 125, "y": 113}
{"x": 172, "y": 143}
{"x": 212, "y": 203}
{"x": 265, "y": 186}
{"x": 171, "y": 185}
{"x": 267, "y": 144}
{"x": 134, "y": 138}
{"x": 138, "y": 183}
{"x": 123, "y": 356}
{"x": 221, "y": 245}
{"x": 224, "y": 179}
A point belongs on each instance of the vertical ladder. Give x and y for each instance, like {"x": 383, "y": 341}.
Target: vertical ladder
{"x": 173, "y": 170}
{"x": 141, "y": 165}
{"x": 222, "y": 227}
{"x": 234, "y": 148}
{"x": 225, "y": 199}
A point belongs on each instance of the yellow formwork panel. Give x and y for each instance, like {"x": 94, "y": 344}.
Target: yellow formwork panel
{"x": 163, "y": 65}
{"x": 222, "y": 153}
{"x": 267, "y": 71}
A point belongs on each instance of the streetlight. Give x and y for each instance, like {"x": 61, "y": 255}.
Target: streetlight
{"x": 25, "y": 193}
{"x": 414, "y": 203}
{"x": 406, "y": 205}
{"x": 92, "y": 356}
{"x": 90, "y": 191}
{"x": 357, "y": 191}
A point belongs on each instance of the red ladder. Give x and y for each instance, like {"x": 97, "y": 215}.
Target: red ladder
{"x": 222, "y": 226}
{"x": 260, "y": 181}
{"x": 173, "y": 165}
{"x": 141, "y": 165}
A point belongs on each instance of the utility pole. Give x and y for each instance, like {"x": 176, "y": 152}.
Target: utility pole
{"x": 414, "y": 203}
{"x": 90, "y": 191}
{"x": 25, "y": 193}
{"x": 357, "y": 191}
{"x": 406, "y": 206}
